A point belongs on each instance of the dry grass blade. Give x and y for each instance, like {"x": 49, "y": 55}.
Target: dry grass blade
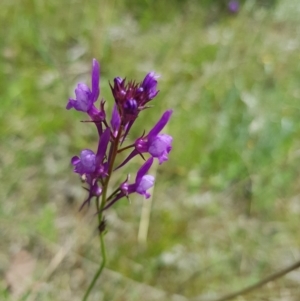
{"x": 258, "y": 284}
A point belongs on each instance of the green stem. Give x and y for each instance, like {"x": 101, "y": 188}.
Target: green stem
{"x": 99, "y": 272}
{"x": 100, "y": 221}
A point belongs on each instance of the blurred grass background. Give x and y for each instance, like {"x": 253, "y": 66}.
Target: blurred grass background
{"x": 226, "y": 204}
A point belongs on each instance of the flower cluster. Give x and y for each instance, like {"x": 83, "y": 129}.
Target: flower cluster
{"x": 97, "y": 167}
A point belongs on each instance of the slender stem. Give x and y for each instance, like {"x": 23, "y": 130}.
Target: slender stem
{"x": 103, "y": 253}
{"x": 98, "y": 273}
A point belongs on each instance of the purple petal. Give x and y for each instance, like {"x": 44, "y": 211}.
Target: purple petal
{"x": 102, "y": 146}
{"x": 82, "y": 101}
{"x": 87, "y": 160}
{"x": 118, "y": 80}
{"x": 95, "y": 80}
{"x": 83, "y": 98}
{"x": 146, "y": 182}
{"x": 150, "y": 80}
{"x": 85, "y": 164}
{"x": 160, "y": 124}
{"x": 70, "y": 104}
{"x": 143, "y": 170}
{"x": 149, "y": 84}
{"x": 75, "y": 160}
{"x": 160, "y": 147}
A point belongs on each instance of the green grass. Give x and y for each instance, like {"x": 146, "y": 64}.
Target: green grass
{"x": 226, "y": 204}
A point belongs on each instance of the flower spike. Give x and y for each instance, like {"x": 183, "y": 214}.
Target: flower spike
{"x": 96, "y": 168}
{"x": 131, "y": 98}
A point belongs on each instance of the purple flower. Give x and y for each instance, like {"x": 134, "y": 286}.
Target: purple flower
{"x": 142, "y": 183}
{"x": 233, "y": 6}
{"x": 90, "y": 163}
{"x": 85, "y": 98}
{"x": 93, "y": 166}
{"x": 85, "y": 163}
{"x": 157, "y": 145}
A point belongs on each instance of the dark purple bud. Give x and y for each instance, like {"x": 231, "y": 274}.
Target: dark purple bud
{"x": 130, "y": 106}
{"x": 95, "y": 80}
{"x": 115, "y": 120}
{"x": 118, "y": 89}
{"x": 94, "y": 191}
{"x": 118, "y": 80}
{"x": 124, "y": 186}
